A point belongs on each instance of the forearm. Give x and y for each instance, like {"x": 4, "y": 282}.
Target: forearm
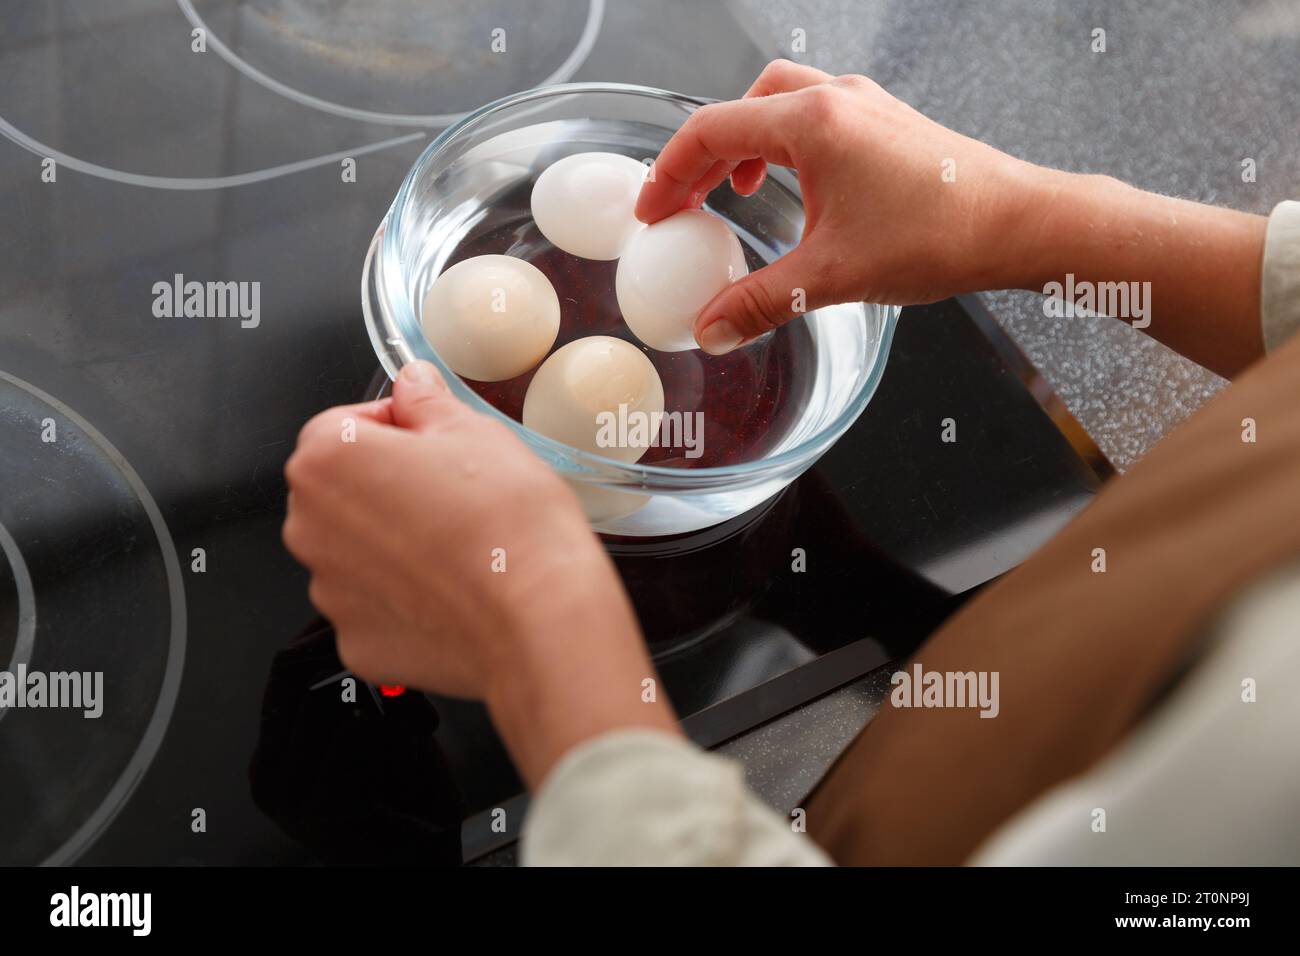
{"x": 1192, "y": 271}
{"x": 579, "y": 673}
{"x": 614, "y": 780}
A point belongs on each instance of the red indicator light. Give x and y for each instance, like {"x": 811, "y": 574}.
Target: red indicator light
{"x": 392, "y": 690}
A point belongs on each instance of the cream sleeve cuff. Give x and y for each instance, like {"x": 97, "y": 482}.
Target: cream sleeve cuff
{"x": 1280, "y": 289}
{"x": 646, "y": 798}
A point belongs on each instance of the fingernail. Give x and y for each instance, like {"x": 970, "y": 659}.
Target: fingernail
{"x": 419, "y": 373}
{"x": 720, "y": 338}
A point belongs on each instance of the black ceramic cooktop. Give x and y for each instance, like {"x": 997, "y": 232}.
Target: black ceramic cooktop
{"x": 152, "y": 142}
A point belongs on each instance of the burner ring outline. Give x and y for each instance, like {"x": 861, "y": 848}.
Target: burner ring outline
{"x": 22, "y": 653}
{"x": 565, "y": 71}
{"x": 140, "y": 761}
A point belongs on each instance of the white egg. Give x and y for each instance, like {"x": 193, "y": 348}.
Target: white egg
{"x": 491, "y": 317}
{"x": 670, "y": 270}
{"x": 583, "y": 203}
{"x": 577, "y": 393}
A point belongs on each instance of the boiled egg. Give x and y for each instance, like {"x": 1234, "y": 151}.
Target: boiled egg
{"x": 598, "y": 394}
{"x": 583, "y": 203}
{"x": 670, "y": 270}
{"x": 491, "y": 318}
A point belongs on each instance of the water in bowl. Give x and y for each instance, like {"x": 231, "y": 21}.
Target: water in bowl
{"x": 749, "y": 400}
{"x": 770, "y": 409}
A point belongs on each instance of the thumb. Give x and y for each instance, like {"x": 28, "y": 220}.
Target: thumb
{"x": 420, "y": 396}
{"x": 758, "y": 303}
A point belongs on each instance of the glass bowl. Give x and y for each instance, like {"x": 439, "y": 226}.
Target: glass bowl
{"x": 454, "y": 196}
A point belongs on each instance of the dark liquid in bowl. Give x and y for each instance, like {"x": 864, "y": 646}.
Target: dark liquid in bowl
{"x": 750, "y": 398}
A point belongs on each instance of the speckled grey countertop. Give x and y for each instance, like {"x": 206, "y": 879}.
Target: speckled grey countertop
{"x": 1187, "y": 90}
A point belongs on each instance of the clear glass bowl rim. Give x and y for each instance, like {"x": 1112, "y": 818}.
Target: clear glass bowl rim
{"x": 594, "y": 467}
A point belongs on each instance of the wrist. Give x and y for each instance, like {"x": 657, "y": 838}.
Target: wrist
{"x": 1070, "y": 221}
{"x": 576, "y": 669}
{"x": 1194, "y": 268}
{"x": 1042, "y": 222}
{"x": 569, "y": 587}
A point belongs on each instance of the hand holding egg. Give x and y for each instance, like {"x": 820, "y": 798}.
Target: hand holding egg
{"x": 584, "y": 204}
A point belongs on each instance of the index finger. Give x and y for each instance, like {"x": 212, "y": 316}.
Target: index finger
{"x": 332, "y": 419}
{"x": 754, "y": 128}
{"x": 782, "y": 76}
{"x": 380, "y": 410}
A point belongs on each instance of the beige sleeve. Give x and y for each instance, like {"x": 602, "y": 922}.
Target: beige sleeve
{"x": 1280, "y": 291}
{"x": 645, "y": 798}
